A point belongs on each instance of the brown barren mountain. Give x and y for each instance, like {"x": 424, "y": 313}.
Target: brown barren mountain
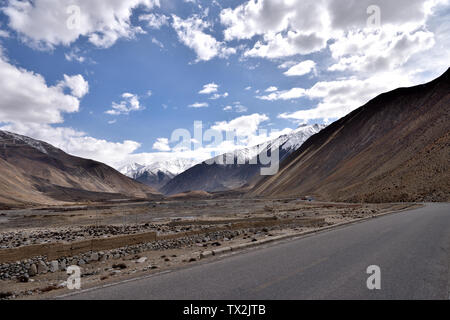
{"x": 34, "y": 172}
{"x": 393, "y": 149}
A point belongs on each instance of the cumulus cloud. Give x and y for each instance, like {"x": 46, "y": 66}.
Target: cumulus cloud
{"x": 191, "y": 33}
{"x": 379, "y": 50}
{"x": 340, "y": 97}
{"x": 30, "y": 106}
{"x": 271, "y": 89}
{"x": 44, "y": 23}
{"x": 162, "y": 144}
{"x": 26, "y": 97}
{"x": 291, "y": 27}
{"x": 301, "y": 68}
{"x": 129, "y": 104}
{"x": 209, "y": 88}
{"x": 243, "y": 126}
{"x": 76, "y": 84}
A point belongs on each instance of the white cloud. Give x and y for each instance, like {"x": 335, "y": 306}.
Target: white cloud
{"x": 271, "y": 89}
{"x": 72, "y": 56}
{"x": 340, "y": 97}
{"x": 243, "y": 126}
{"x": 379, "y": 50}
{"x": 29, "y": 106}
{"x": 76, "y": 84}
{"x": 291, "y": 27}
{"x": 154, "y": 20}
{"x": 301, "y": 69}
{"x": 26, "y": 97}
{"x": 209, "y": 88}
{"x": 198, "y": 105}
{"x": 162, "y": 144}
{"x": 191, "y": 33}
{"x": 280, "y": 45}
{"x": 212, "y": 88}
{"x": 293, "y": 93}
{"x": 287, "y": 64}
{"x": 51, "y": 23}
{"x": 218, "y": 96}
{"x": 129, "y": 104}
{"x": 237, "y": 107}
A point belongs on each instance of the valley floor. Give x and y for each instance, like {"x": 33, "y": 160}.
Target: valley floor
{"x": 186, "y": 232}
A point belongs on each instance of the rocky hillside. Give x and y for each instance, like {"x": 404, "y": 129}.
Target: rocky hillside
{"x": 34, "y": 172}
{"x": 394, "y": 148}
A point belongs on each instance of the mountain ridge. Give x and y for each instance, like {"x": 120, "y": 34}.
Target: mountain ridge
{"x": 222, "y": 177}
{"x": 394, "y": 148}
{"x": 35, "y": 172}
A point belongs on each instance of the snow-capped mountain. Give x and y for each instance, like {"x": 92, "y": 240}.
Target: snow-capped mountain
{"x": 285, "y": 143}
{"x": 220, "y": 176}
{"x": 157, "y": 174}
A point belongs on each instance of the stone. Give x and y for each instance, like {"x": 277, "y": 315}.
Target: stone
{"x": 94, "y": 256}
{"x": 142, "y": 260}
{"x": 54, "y": 266}
{"x": 33, "y": 270}
{"x": 24, "y": 279}
{"x": 42, "y": 267}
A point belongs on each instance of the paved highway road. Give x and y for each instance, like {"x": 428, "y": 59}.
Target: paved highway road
{"x": 411, "y": 248}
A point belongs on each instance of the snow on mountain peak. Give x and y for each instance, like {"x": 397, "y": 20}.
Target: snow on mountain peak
{"x": 169, "y": 167}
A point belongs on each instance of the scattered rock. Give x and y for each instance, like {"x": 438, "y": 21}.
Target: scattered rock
{"x": 120, "y": 266}
{"x": 24, "y": 279}
{"x": 54, "y": 266}
{"x": 33, "y": 271}
{"x": 141, "y": 260}
{"x": 42, "y": 267}
{"x": 94, "y": 256}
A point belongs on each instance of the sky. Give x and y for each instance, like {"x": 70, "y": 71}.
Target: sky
{"x": 114, "y": 80}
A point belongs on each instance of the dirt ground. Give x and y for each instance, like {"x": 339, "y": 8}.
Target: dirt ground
{"x": 40, "y": 225}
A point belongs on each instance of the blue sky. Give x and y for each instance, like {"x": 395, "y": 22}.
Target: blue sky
{"x": 318, "y": 70}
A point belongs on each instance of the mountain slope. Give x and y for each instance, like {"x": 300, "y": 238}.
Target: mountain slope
{"x": 159, "y": 173}
{"x": 222, "y": 177}
{"x": 34, "y": 172}
{"x": 395, "y": 148}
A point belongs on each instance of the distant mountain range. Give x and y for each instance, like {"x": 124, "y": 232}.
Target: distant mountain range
{"x": 158, "y": 173}
{"x": 35, "y": 172}
{"x": 221, "y": 177}
{"x": 395, "y": 148}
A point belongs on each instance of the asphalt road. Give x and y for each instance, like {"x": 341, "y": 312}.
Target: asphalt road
{"x": 411, "y": 248}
